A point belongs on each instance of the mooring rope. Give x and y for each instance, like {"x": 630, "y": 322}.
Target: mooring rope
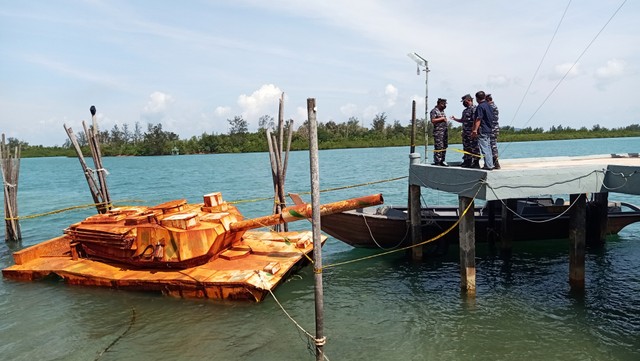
{"x": 316, "y": 341}
{"x": 89, "y": 205}
{"x": 131, "y": 322}
{"x": 322, "y": 190}
{"x": 432, "y": 239}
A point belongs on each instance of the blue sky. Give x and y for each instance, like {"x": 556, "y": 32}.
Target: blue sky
{"x": 191, "y": 65}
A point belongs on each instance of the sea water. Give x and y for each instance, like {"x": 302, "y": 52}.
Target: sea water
{"x": 385, "y": 308}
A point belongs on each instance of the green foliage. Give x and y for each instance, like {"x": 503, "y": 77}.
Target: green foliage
{"x": 331, "y": 135}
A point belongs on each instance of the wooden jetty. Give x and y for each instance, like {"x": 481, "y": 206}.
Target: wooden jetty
{"x": 521, "y": 178}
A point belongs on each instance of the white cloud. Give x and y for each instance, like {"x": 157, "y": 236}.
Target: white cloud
{"x": 158, "y": 102}
{"x": 498, "y": 81}
{"x": 349, "y": 110}
{"x": 391, "y": 92}
{"x": 569, "y": 69}
{"x": 611, "y": 72}
{"x": 614, "y": 69}
{"x": 262, "y": 101}
{"x": 222, "y": 111}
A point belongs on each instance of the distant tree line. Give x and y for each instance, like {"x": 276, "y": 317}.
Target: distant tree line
{"x": 123, "y": 140}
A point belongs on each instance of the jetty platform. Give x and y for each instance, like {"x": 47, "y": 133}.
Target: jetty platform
{"x": 578, "y": 176}
{"x": 250, "y": 270}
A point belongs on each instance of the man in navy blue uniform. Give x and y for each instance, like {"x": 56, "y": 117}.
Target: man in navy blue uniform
{"x": 440, "y": 132}
{"x": 482, "y": 129}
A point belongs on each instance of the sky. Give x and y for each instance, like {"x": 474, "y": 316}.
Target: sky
{"x": 192, "y": 65}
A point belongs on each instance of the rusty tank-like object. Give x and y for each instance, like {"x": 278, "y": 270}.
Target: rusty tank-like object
{"x": 178, "y": 235}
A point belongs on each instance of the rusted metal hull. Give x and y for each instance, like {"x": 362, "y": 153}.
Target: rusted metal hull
{"x": 255, "y": 265}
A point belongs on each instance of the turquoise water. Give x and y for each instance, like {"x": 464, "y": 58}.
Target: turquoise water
{"x": 385, "y": 308}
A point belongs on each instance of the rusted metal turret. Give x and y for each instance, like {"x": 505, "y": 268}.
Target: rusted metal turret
{"x": 180, "y": 235}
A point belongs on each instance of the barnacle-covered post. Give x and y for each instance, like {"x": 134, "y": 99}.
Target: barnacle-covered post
{"x": 10, "y": 172}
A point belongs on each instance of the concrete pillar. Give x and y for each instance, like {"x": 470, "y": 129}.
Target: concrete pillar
{"x": 467, "y": 246}
{"x": 577, "y": 239}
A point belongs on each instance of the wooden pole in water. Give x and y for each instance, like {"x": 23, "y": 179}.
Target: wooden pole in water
{"x": 10, "y": 174}
{"x": 577, "y": 239}
{"x": 317, "y": 237}
{"x": 467, "y": 246}
{"x": 274, "y": 176}
{"x": 414, "y": 215}
{"x": 93, "y": 187}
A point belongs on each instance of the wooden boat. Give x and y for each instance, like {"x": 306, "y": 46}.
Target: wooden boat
{"x": 388, "y": 227}
{"x": 192, "y": 250}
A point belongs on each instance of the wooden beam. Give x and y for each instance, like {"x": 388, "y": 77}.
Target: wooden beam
{"x": 467, "y": 246}
{"x": 414, "y": 214}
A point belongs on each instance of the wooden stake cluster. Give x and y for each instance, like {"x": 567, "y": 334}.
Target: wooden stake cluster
{"x": 278, "y": 165}
{"x": 10, "y": 172}
{"x": 95, "y": 177}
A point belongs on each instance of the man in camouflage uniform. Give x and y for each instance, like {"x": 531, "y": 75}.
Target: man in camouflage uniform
{"x": 470, "y": 159}
{"x": 495, "y": 131}
{"x": 440, "y": 132}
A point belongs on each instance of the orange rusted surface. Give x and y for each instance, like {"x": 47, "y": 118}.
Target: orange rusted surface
{"x": 304, "y": 211}
{"x": 269, "y": 258}
{"x": 191, "y": 250}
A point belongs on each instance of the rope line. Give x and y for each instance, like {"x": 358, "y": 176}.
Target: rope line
{"x": 322, "y": 190}
{"x": 89, "y": 205}
{"x": 432, "y": 239}
{"x": 316, "y": 341}
{"x": 131, "y": 322}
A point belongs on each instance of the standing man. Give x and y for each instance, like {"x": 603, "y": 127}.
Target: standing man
{"x": 440, "y": 132}
{"x": 471, "y": 157}
{"x": 482, "y": 129}
{"x": 495, "y": 131}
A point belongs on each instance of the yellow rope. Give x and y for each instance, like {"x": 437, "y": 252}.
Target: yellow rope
{"x": 408, "y": 247}
{"x": 64, "y": 210}
{"x": 457, "y": 150}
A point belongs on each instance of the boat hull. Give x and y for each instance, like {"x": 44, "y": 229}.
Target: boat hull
{"x": 389, "y": 228}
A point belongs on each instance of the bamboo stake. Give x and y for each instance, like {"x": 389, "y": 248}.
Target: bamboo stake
{"x": 101, "y": 170}
{"x": 274, "y": 177}
{"x": 320, "y": 340}
{"x": 286, "y": 157}
{"x": 93, "y": 187}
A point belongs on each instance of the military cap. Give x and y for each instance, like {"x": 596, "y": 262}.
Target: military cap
{"x": 465, "y": 97}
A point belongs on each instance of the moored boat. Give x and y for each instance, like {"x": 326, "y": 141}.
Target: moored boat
{"x": 536, "y": 219}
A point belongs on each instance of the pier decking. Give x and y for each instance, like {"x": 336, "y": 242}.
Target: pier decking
{"x": 528, "y": 177}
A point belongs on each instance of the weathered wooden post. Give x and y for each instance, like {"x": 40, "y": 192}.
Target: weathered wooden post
{"x": 10, "y": 173}
{"x": 577, "y": 238}
{"x": 317, "y": 237}
{"x": 98, "y": 188}
{"x": 414, "y": 216}
{"x": 467, "y": 246}
{"x": 278, "y": 164}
